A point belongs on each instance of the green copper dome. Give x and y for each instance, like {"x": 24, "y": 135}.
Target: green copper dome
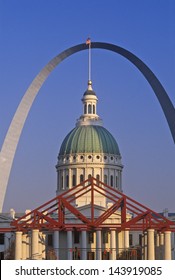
{"x": 89, "y": 139}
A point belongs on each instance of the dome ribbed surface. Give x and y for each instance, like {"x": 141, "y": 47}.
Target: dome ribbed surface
{"x": 89, "y": 139}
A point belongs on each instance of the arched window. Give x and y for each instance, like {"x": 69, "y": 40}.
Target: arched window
{"x": 93, "y": 109}
{"x": 58, "y": 180}
{"x": 116, "y": 179}
{"x": 89, "y": 109}
{"x": 85, "y": 109}
{"x": 89, "y": 176}
{"x": 62, "y": 182}
{"x": 112, "y": 181}
{"x": 105, "y": 179}
{"x": 81, "y": 178}
{"x": 74, "y": 180}
{"x": 67, "y": 181}
{"x": 98, "y": 178}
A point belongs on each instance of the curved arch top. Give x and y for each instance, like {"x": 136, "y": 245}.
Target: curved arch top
{"x": 12, "y": 137}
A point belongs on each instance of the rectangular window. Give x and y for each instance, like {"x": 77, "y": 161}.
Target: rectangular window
{"x": 140, "y": 239}
{"x": 98, "y": 179}
{"x": 105, "y": 237}
{"x": 130, "y": 239}
{"x": 62, "y": 182}
{"x": 90, "y": 237}
{"x": 67, "y": 181}
{"x": 50, "y": 240}
{"x": 76, "y": 237}
{"x": 1, "y": 238}
{"x": 74, "y": 180}
{"x": 105, "y": 255}
{"x": 81, "y": 178}
{"x": 116, "y": 182}
{"x": 90, "y": 255}
{"x": 105, "y": 179}
{"x": 111, "y": 181}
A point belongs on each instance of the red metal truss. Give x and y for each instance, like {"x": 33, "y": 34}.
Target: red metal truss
{"x": 61, "y": 213}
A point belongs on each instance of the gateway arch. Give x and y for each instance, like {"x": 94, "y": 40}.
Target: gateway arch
{"x": 9, "y": 146}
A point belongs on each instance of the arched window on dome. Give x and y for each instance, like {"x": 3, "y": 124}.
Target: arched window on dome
{"x": 74, "y": 180}
{"x": 58, "y": 180}
{"x": 116, "y": 179}
{"x": 85, "y": 109}
{"x": 67, "y": 181}
{"x": 112, "y": 180}
{"x": 89, "y": 109}
{"x": 89, "y": 176}
{"x": 105, "y": 179}
{"x": 62, "y": 182}
{"x": 81, "y": 178}
{"x": 93, "y": 109}
{"x": 98, "y": 179}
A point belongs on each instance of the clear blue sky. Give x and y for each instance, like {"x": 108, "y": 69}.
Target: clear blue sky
{"x": 32, "y": 32}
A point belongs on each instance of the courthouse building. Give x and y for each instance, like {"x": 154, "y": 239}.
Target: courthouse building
{"x": 90, "y": 217}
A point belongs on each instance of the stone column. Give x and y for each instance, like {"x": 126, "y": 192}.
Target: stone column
{"x": 70, "y": 178}
{"x": 161, "y": 246}
{"x": 7, "y": 244}
{"x": 126, "y": 239}
{"x": 113, "y": 245}
{"x": 98, "y": 245}
{"x": 40, "y": 246}
{"x": 63, "y": 180}
{"x": 24, "y": 246}
{"x": 35, "y": 244}
{"x": 167, "y": 235}
{"x": 69, "y": 245}
{"x": 145, "y": 245}
{"x": 151, "y": 245}
{"x": 84, "y": 245}
{"x": 120, "y": 242}
{"x": 28, "y": 246}
{"x": 56, "y": 243}
{"x": 173, "y": 244}
{"x": 18, "y": 245}
{"x": 43, "y": 246}
{"x": 157, "y": 246}
{"x": 119, "y": 180}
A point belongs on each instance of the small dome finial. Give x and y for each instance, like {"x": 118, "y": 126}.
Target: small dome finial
{"x": 90, "y": 85}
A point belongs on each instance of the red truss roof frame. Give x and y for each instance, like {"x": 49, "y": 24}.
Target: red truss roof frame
{"x": 53, "y": 214}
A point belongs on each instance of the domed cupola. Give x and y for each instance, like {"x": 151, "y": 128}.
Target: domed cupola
{"x": 89, "y": 108}
{"x": 89, "y": 150}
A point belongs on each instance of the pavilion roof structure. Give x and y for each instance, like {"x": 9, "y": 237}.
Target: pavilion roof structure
{"x": 53, "y": 215}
